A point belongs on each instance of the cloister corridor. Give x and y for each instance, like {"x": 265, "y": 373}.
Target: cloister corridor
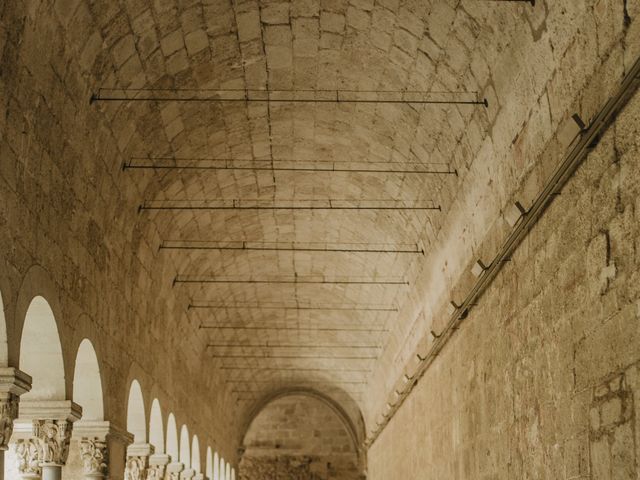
{"x": 319, "y": 240}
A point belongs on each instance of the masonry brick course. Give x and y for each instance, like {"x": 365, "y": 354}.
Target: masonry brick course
{"x": 526, "y": 389}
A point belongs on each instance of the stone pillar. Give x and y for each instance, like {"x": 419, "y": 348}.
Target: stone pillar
{"x": 173, "y": 470}
{"x": 13, "y": 383}
{"x": 46, "y": 450}
{"x": 137, "y": 461}
{"x": 157, "y": 466}
{"x": 93, "y": 438}
{"x": 187, "y": 474}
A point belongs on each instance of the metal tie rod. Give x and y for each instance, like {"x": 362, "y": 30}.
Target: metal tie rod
{"x": 266, "y": 345}
{"x": 296, "y": 329}
{"x": 296, "y": 280}
{"x": 215, "y": 306}
{"x": 342, "y": 382}
{"x": 298, "y": 357}
{"x": 296, "y": 369}
{"x": 283, "y": 96}
{"x": 332, "y": 169}
{"x": 532, "y": 2}
{"x": 330, "y": 206}
{"x": 274, "y": 247}
{"x": 254, "y": 392}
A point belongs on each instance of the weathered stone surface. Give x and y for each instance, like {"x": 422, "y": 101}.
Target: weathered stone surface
{"x": 541, "y": 381}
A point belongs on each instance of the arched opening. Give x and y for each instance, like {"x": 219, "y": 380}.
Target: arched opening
{"x": 185, "y": 455}
{"x": 209, "y": 464}
{"x": 4, "y": 351}
{"x": 216, "y": 466}
{"x": 222, "y": 469}
{"x": 156, "y": 429}
{"x": 195, "y": 454}
{"x": 41, "y": 353}
{"x": 233, "y": 474}
{"x": 40, "y": 357}
{"x": 228, "y": 472}
{"x": 136, "y": 419}
{"x": 172, "y": 438}
{"x": 313, "y": 437}
{"x": 87, "y": 383}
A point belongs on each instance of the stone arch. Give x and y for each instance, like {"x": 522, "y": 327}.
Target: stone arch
{"x": 221, "y": 473}
{"x": 185, "y": 455}
{"x": 136, "y": 417}
{"x": 41, "y": 353}
{"x": 209, "y": 464}
{"x": 332, "y": 404}
{"x": 156, "y": 427}
{"x": 172, "y": 438}
{"x": 38, "y": 283}
{"x": 233, "y": 474}
{"x": 317, "y": 432}
{"x": 195, "y": 454}
{"x": 87, "y": 382}
{"x": 216, "y": 466}
{"x": 227, "y": 475}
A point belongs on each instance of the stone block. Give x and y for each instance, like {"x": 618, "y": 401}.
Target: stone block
{"x": 196, "y": 41}
{"x": 171, "y": 43}
{"x": 332, "y": 22}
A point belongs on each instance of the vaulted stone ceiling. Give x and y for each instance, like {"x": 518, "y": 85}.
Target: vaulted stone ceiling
{"x": 298, "y": 46}
{"x": 433, "y": 46}
{"x": 470, "y": 47}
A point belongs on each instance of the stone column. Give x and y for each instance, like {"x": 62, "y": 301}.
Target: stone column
{"x": 173, "y": 470}
{"x": 157, "y": 466}
{"x": 94, "y": 442}
{"x": 51, "y": 423}
{"x": 137, "y": 461}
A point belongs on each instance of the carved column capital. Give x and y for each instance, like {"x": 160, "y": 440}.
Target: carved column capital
{"x": 94, "y": 455}
{"x": 174, "y": 469}
{"x": 187, "y": 474}
{"x": 8, "y": 413}
{"x": 54, "y": 437}
{"x": 13, "y": 383}
{"x": 27, "y": 458}
{"x": 136, "y": 468}
{"x": 93, "y": 439}
{"x": 157, "y": 466}
{"x": 138, "y": 461}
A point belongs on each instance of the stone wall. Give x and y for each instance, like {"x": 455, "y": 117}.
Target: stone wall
{"x": 67, "y": 235}
{"x": 298, "y": 438}
{"x": 543, "y": 379}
